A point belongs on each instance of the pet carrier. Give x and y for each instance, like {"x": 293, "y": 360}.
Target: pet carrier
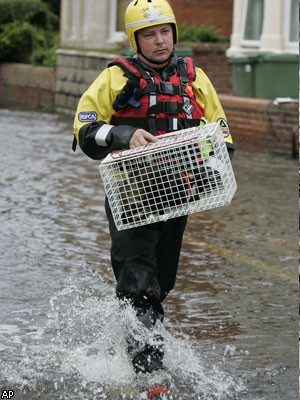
{"x": 185, "y": 172}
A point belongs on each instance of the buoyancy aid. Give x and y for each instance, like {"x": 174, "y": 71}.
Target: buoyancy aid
{"x": 158, "y": 106}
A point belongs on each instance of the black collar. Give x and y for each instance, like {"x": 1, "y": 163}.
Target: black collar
{"x": 164, "y": 72}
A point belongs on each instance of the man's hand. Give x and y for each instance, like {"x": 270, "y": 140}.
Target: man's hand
{"x": 141, "y": 137}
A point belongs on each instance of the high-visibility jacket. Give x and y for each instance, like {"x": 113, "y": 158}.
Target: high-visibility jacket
{"x": 127, "y": 95}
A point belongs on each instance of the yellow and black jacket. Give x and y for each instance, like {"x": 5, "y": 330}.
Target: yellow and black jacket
{"x": 129, "y": 95}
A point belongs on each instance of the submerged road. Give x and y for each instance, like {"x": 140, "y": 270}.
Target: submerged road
{"x": 231, "y": 322}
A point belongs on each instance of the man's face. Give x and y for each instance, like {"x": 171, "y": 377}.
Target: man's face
{"x": 156, "y": 43}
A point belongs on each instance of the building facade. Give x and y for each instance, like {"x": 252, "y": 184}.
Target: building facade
{"x": 265, "y": 26}
{"x": 264, "y": 48}
{"x": 99, "y": 24}
{"x": 262, "y": 58}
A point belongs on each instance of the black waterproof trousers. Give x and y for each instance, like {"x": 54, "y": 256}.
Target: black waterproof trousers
{"x": 145, "y": 261}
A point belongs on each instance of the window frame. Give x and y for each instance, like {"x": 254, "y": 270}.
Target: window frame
{"x": 287, "y": 20}
{"x": 248, "y": 42}
{"x": 114, "y": 35}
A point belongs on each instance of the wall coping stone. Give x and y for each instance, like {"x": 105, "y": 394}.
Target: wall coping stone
{"x": 92, "y": 54}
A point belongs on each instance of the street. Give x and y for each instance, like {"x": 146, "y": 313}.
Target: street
{"x": 231, "y": 322}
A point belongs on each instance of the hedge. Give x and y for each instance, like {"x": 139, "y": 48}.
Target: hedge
{"x": 28, "y": 32}
{"x": 35, "y": 12}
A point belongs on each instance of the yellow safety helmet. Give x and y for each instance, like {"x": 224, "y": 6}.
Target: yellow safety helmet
{"x": 144, "y": 13}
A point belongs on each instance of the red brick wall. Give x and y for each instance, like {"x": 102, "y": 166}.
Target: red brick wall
{"x": 260, "y": 125}
{"x": 27, "y": 86}
{"x": 212, "y": 59}
{"x": 217, "y": 13}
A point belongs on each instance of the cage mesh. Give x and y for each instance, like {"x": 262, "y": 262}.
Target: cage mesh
{"x": 187, "y": 171}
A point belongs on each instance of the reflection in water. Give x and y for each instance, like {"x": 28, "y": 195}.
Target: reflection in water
{"x": 229, "y": 321}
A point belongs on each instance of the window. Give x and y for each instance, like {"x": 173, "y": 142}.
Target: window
{"x": 253, "y": 22}
{"x": 291, "y": 24}
{"x": 117, "y": 12}
{"x": 121, "y": 8}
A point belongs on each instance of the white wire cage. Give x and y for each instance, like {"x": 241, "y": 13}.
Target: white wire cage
{"x": 185, "y": 172}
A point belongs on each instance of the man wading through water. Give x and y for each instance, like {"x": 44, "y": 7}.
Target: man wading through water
{"x": 131, "y": 102}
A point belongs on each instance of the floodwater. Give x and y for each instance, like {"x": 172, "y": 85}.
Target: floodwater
{"x": 231, "y": 323}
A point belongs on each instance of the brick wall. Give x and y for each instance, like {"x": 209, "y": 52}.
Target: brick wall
{"x": 216, "y": 13}
{"x": 260, "y": 125}
{"x": 256, "y": 124}
{"x": 27, "y": 86}
{"x": 212, "y": 59}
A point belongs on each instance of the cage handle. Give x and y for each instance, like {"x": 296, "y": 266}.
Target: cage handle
{"x": 119, "y": 153}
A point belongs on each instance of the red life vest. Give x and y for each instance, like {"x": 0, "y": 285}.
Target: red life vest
{"x": 158, "y": 106}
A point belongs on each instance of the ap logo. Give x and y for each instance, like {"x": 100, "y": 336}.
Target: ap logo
{"x": 7, "y": 394}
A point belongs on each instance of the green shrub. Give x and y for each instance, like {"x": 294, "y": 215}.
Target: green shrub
{"x": 35, "y": 12}
{"x": 198, "y": 33}
{"x": 23, "y": 42}
{"x": 28, "y": 32}
{"x": 46, "y": 55}
{"x": 17, "y": 41}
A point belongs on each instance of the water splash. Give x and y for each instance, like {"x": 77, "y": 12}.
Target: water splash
{"x": 81, "y": 353}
